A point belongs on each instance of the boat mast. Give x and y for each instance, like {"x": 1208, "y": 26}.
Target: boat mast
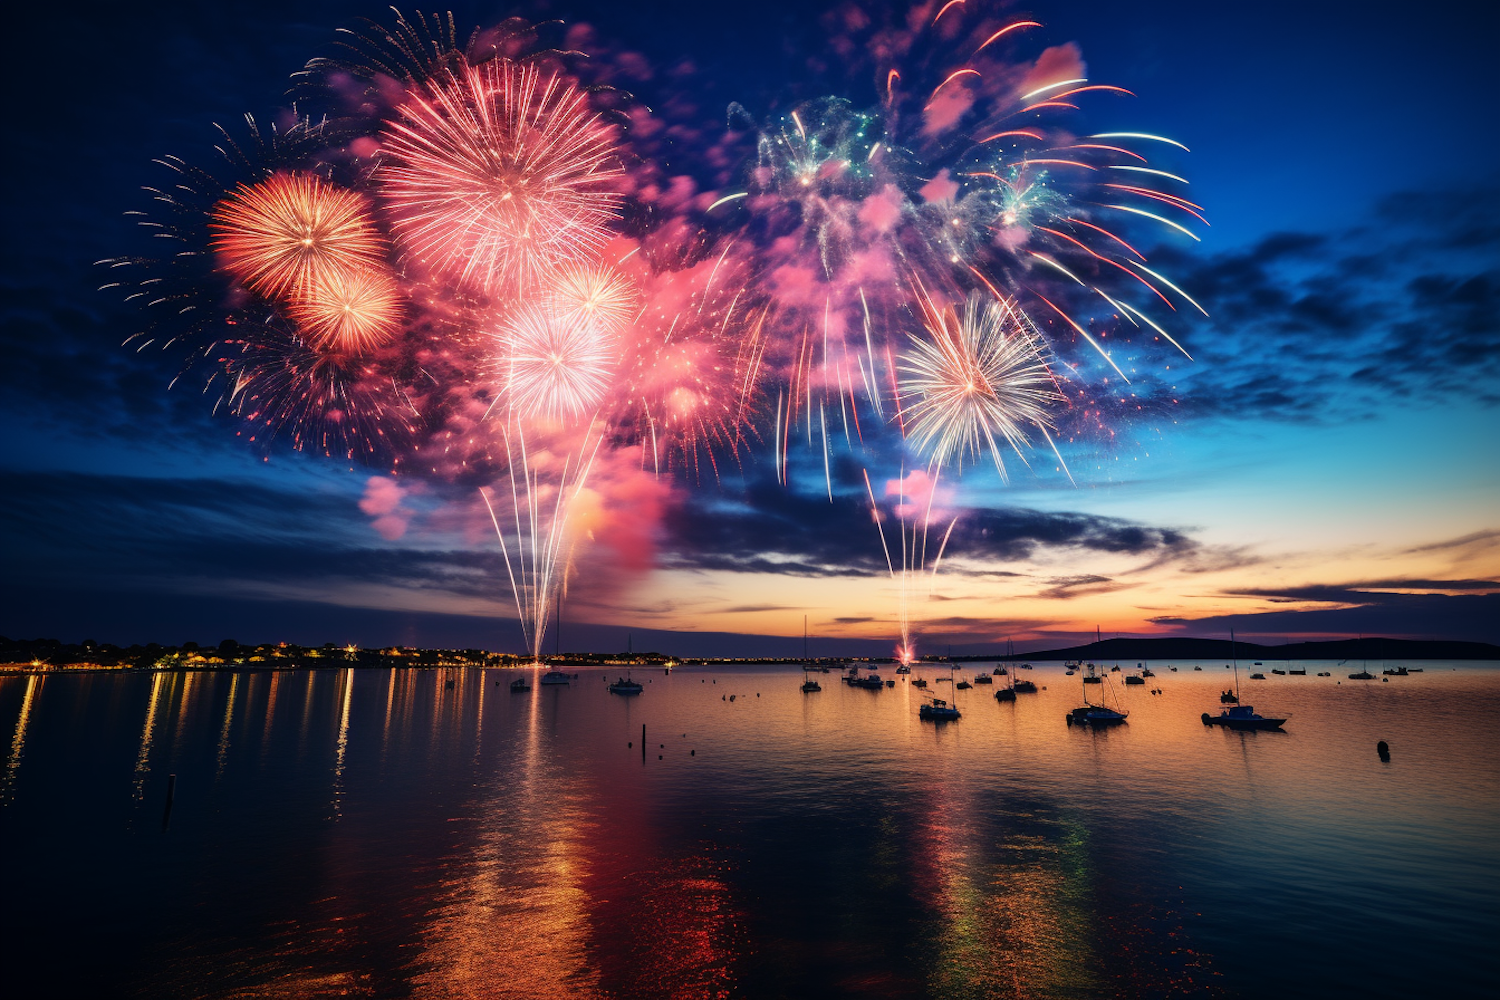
{"x": 1235, "y": 656}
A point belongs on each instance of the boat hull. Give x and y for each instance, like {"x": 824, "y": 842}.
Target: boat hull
{"x": 1241, "y": 717}
{"x": 1216, "y": 720}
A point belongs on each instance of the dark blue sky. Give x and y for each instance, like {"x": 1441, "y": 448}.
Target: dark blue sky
{"x": 1346, "y": 154}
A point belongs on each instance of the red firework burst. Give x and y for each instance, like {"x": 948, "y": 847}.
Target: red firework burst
{"x": 497, "y": 175}
{"x": 289, "y": 232}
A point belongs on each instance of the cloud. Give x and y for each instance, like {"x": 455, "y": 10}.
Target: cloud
{"x": 768, "y": 528}
{"x": 175, "y": 535}
{"x": 1400, "y": 309}
{"x": 1477, "y": 539}
{"x": 1369, "y": 608}
{"x": 1068, "y": 587}
{"x": 748, "y": 609}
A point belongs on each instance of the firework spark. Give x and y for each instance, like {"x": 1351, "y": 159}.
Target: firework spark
{"x": 498, "y": 175}
{"x": 981, "y": 379}
{"x": 292, "y": 233}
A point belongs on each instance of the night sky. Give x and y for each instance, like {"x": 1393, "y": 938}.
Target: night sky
{"x": 1327, "y": 465}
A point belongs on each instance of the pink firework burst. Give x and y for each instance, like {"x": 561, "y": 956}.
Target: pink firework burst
{"x": 553, "y": 366}
{"x": 498, "y": 175}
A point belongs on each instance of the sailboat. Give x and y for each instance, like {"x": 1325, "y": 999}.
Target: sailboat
{"x": 1008, "y": 692}
{"x": 1364, "y": 669}
{"x": 938, "y": 710}
{"x": 1090, "y": 714}
{"x": 1238, "y": 716}
{"x": 809, "y": 685}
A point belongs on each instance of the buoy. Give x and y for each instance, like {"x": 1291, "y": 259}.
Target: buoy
{"x": 629, "y": 746}
{"x": 1383, "y": 749}
{"x": 692, "y": 753}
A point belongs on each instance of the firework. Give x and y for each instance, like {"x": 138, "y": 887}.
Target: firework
{"x": 594, "y": 294}
{"x": 461, "y": 220}
{"x": 328, "y": 403}
{"x": 693, "y": 394}
{"x": 982, "y": 379}
{"x": 291, "y": 233}
{"x": 551, "y": 365}
{"x": 350, "y": 312}
{"x": 690, "y": 384}
{"x": 498, "y": 175}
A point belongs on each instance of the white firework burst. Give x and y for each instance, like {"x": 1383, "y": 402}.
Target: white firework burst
{"x": 980, "y": 382}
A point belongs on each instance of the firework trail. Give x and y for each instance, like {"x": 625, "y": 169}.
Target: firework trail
{"x": 915, "y": 517}
{"x": 537, "y": 553}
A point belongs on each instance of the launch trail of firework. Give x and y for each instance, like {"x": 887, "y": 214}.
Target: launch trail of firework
{"x": 538, "y": 553}
{"x": 914, "y": 575}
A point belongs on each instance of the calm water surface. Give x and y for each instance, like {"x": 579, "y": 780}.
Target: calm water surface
{"x": 430, "y": 834}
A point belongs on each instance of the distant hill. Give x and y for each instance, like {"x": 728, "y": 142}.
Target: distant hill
{"x": 1184, "y": 648}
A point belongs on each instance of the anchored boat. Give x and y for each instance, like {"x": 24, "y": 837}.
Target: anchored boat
{"x": 1095, "y": 714}
{"x": 938, "y": 711}
{"x": 626, "y": 686}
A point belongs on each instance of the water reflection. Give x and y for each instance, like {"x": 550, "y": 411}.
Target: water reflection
{"x": 143, "y": 756}
{"x": 18, "y": 741}
{"x": 489, "y": 844}
{"x": 513, "y": 924}
{"x": 346, "y": 683}
{"x": 223, "y": 758}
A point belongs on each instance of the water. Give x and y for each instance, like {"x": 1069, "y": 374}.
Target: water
{"x": 376, "y": 833}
